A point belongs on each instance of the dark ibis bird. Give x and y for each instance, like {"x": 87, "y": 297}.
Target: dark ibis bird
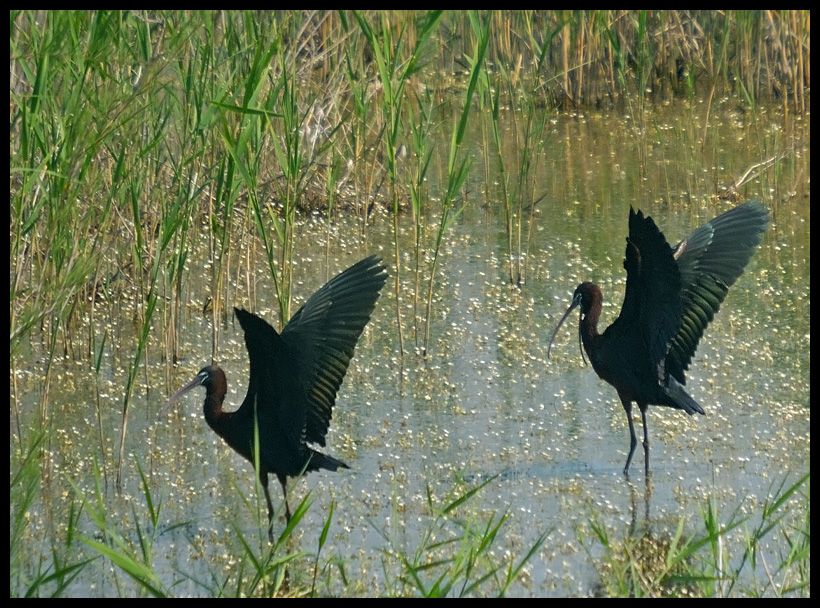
{"x": 294, "y": 377}
{"x": 672, "y": 294}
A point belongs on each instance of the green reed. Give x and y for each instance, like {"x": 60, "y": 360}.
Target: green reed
{"x": 421, "y": 125}
{"x": 269, "y": 563}
{"x": 517, "y": 195}
{"x": 457, "y": 162}
{"x": 116, "y": 546}
{"x": 292, "y": 160}
{"x": 23, "y": 488}
{"x": 452, "y": 557}
{"x": 58, "y": 229}
{"x": 359, "y": 170}
{"x": 149, "y": 291}
{"x": 131, "y": 551}
{"x": 395, "y": 70}
{"x": 63, "y": 211}
{"x": 241, "y": 130}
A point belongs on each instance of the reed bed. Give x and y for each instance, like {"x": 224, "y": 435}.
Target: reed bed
{"x": 177, "y": 117}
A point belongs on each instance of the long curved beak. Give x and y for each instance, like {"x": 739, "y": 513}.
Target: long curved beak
{"x": 575, "y": 302}
{"x": 197, "y": 381}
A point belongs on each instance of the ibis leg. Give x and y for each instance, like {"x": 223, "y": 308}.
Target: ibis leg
{"x": 263, "y": 478}
{"x": 283, "y": 479}
{"x": 633, "y": 440}
{"x": 643, "y": 407}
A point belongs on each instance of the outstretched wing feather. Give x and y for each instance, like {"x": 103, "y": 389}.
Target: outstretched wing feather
{"x": 710, "y": 261}
{"x": 323, "y": 334}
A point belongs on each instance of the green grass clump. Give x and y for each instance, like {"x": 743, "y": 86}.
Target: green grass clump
{"x": 714, "y": 561}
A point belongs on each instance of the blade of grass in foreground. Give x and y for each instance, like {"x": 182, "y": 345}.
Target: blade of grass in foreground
{"x": 454, "y": 555}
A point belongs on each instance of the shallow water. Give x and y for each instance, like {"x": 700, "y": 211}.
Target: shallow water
{"x": 486, "y": 401}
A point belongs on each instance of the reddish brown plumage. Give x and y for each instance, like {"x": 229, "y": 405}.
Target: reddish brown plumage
{"x": 671, "y": 296}
{"x": 294, "y": 377}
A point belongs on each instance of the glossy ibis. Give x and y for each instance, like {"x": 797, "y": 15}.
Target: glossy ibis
{"x": 294, "y": 378}
{"x": 671, "y": 296}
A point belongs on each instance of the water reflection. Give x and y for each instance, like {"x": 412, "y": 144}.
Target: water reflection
{"x": 644, "y": 559}
{"x": 646, "y": 528}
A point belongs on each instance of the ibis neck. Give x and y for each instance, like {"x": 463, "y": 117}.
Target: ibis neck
{"x": 213, "y": 409}
{"x": 214, "y": 398}
{"x": 589, "y": 326}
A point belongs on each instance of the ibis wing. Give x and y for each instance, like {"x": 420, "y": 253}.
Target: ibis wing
{"x": 323, "y": 333}
{"x": 652, "y": 297}
{"x": 710, "y": 260}
{"x": 272, "y": 385}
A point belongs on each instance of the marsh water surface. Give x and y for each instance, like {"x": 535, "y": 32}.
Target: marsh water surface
{"x": 485, "y": 403}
